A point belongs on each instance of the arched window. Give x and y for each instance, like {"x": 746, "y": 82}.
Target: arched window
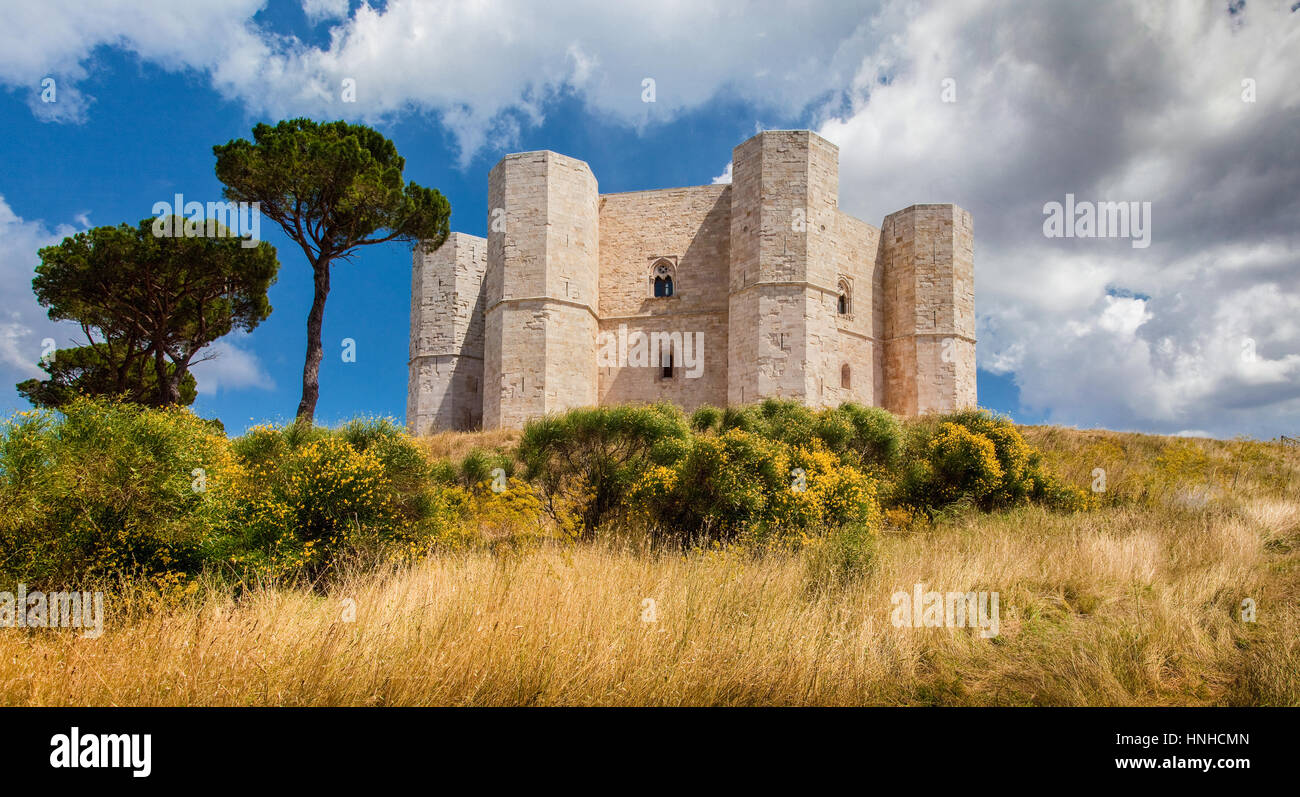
{"x": 844, "y": 304}
{"x": 662, "y": 284}
{"x": 846, "y": 377}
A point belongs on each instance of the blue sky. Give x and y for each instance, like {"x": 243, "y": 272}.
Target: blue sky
{"x": 1088, "y": 333}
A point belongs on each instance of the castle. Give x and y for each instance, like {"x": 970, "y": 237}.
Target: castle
{"x": 713, "y": 294}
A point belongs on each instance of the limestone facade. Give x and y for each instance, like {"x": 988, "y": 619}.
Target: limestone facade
{"x": 774, "y": 292}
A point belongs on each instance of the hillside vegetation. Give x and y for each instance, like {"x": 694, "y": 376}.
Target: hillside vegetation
{"x": 655, "y": 559}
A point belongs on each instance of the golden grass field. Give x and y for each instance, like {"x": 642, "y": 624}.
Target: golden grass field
{"x": 1136, "y": 603}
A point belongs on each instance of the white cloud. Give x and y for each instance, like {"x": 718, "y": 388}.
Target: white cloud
{"x": 23, "y": 323}
{"x": 1110, "y": 101}
{"x": 1123, "y": 315}
{"x": 323, "y": 10}
{"x": 57, "y": 39}
{"x": 231, "y": 367}
{"x": 482, "y": 67}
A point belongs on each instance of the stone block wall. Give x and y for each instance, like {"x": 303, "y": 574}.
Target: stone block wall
{"x": 688, "y": 230}
{"x": 542, "y": 288}
{"x": 929, "y": 306}
{"x": 445, "y": 383}
{"x": 758, "y": 268}
{"x": 855, "y": 253}
{"x": 784, "y": 234}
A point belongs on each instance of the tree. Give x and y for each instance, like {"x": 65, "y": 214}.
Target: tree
{"x": 332, "y": 187}
{"x": 148, "y": 304}
{"x": 99, "y": 370}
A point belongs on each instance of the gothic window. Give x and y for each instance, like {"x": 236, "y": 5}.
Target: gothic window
{"x": 846, "y": 376}
{"x": 661, "y": 279}
{"x": 844, "y": 303}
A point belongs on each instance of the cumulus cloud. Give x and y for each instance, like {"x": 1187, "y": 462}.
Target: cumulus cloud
{"x": 322, "y": 10}
{"x": 230, "y": 365}
{"x": 1109, "y": 101}
{"x": 25, "y": 330}
{"x": 57, "y": 39}
{"x": 484, "y": 68}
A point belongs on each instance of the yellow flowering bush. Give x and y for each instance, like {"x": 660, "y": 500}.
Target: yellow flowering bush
{"x": 307, "y": 496}
{"x": 858, "y": 436}
{"x": 108, "y": 490}
{"x": 975, "y": 456}
{"x": 105, "y": 490}
{"x": 963, "y": 463}
{"x": 510, "y": 514}
{"x": 738, "y": 484}
{"x": 834, "y": 494}
{"x": 304, "y": 504}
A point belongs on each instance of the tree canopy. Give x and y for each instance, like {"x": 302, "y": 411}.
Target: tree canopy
{"x": 99, "y": 370}
{"x": 332, "y": 187}
{"x": 148, "y": 305}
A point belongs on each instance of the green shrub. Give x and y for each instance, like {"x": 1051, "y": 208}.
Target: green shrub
{"x": 478, "y": 466}
{"x": 877, "y": 437}
{"x": 860, "y": 436}
{"x": 103, "y": 490}
{"x": 706, "y": 419}
{"x": 739, "y": 483}
{"x": 834, "y": 429}
{"x": 976, "y": 457}
{"x": 787, "y": 421}
{"x": 309, "y": 495}
{"x": 585, "y": 460}
{"x": 745, "y": 418}
{"x": 403, "y": 463}
{"x": 722, "y": 486}
{"x": 444, "y": 473}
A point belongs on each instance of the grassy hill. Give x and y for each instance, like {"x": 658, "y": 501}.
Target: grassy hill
{"x": 1137, "y": 602}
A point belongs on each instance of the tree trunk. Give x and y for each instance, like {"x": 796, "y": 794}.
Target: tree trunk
{"x": 315, "y": 318}
{"x": 179, "y": 371}
{"x": 166, "y": 392}
{"x": 173, "y": 389}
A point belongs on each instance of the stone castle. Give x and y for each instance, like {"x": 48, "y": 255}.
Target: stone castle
{"x": 713, "y": 294}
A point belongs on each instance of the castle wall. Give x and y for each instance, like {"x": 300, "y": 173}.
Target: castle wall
{"x": 785, "y": 187}
{"x": 542, "y": 287}
{"x": 929, "y": 307}
{"x": 548, "y": 313}
{"x": 691, "y": 229}
{"x": 855, "y": 255}
{"x": 444, "y": 387}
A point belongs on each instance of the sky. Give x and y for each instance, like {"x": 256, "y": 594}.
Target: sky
{"x": 1186, "y": 112}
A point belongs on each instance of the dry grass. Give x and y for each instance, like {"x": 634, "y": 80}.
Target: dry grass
{"x": 455, "y": 445}
{"x": 1134, "y": 604}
